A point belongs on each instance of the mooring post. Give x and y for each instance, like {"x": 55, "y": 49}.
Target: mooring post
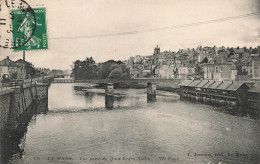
{"x": 109, "y": 91}
{"x": 151, "y": 92}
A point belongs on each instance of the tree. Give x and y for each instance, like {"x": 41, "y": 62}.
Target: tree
{"x": 205, "y": 60}
{"x": 121, "y": 71}
{"x": 86, "y": 69}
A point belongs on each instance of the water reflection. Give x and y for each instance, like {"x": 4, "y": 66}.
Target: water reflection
{"x": 96, "y": 97}
{"x": 13, "y": 138}
{"x": 78, "y": 125}
{"x": 109, "y": 102}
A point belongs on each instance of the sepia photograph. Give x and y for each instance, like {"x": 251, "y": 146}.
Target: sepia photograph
{"x": 130, "y": 81}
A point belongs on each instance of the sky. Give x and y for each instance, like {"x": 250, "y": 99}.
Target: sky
{"x": 70, "y": 23}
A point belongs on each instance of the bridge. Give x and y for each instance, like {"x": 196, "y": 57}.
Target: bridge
{"x": 169, "y": 83}
{"x": 63, "y": 80}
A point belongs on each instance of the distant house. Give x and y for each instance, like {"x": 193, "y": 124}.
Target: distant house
{"x": 165, "y": 71}
{"x": 247, "y": 68}
{"x": 30, "y": 70}
{"x": 146, "y": 72}
{"x": 177, "y": 63}
{"x": 135, "y": 72}
{"x": 246, "y": 73}
{"x": 220, "y": 71}
{"x": 238, "y": 53}
{"x": 256, "y": 65}
{"x": 9, "y": 69}
{"x": 185, "y": 72}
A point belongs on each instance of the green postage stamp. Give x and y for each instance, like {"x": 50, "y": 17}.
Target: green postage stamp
{"x": 29, "y": 29}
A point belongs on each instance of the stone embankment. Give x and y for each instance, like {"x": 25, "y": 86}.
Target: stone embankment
{"x": 18, "y": 97}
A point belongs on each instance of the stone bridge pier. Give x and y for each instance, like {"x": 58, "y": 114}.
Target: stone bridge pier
{"x": 109, "y": 96}
{"x": 151, "y": 92}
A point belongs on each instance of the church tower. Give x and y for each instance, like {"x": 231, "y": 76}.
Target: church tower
{"x": 156, "y": 50}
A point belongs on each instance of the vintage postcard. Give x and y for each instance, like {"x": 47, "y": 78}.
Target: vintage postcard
{"x": 129, "y": 81}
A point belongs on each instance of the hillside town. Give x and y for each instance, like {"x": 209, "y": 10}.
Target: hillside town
{"x": 214, "y": 63}
{"x": 210, "y": 63}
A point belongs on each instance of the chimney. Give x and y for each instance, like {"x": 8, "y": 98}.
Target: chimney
{"x": 23, "y": 55}
{"x": 7, "y": 59}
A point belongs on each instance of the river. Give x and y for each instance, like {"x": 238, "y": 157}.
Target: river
{"x": 77, "y": 128}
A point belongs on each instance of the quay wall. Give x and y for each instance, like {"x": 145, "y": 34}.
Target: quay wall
{"x": 15, "y": 102}
{"x": 5, "y": 99}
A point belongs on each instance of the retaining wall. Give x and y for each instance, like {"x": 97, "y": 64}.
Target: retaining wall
{"x": 15, "y": 102}
{"x": 5, "y": 98}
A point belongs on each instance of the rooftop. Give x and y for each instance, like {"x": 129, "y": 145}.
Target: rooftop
{"x": 255, "y": 89}
{"x": 7, "y": 62}
{"x": 220, "y": 85}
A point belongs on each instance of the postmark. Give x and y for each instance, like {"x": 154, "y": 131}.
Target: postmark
{"x": 24, "y": 27}
{"x": 7, "y": 15}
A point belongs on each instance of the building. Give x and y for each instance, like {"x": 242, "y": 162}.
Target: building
{"x": 254, "y": 100}
{"x": 11, "y": 70}
{"x": 236, "y": 53}
{"x": 136, "y": 72}
{"x": 256, "y": 68}
{"x": 185, "y": 72}
{"x": 247, "y": 68}
{"x": 256, "y": 65}
{"x": 156, "y": 50}
{"x": 30, "y": 70}
{"x": 165, "y": 71}
{"x": 221, "y": 93}
{"x": 216, "y": 63}
{"x": 146, "y": 72}
{"x": 219, "y": 71}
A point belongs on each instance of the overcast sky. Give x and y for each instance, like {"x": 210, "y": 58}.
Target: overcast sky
{"x": 70, "y": 21}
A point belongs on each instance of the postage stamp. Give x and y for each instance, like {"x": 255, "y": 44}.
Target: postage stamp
{"x": 29, "y": 29}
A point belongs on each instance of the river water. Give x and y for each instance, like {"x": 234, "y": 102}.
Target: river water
{"x": 78, "y": 129}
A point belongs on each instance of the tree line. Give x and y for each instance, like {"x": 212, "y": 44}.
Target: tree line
{"x": 89, "y": 69}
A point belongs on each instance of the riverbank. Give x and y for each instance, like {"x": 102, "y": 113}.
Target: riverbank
{"x": 15, "y": 102}
{"x": 10, "y": 138}
{"x": 18, "y": 97}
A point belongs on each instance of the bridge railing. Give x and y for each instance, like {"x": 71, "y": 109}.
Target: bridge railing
{"x": 136, "y": 80}
{"x": 63, "y": 80}
{"x": 22, "y": 83}
{"x": 13, "y": 85}
{"x": 2, "y": 88}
